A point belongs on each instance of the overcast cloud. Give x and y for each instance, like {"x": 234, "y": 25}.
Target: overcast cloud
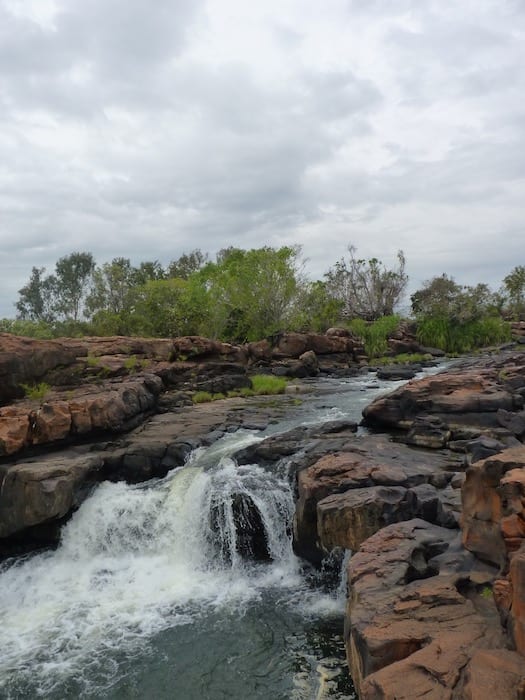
{"x": 146, "y": 129}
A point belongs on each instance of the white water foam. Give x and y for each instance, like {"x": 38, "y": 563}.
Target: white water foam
{"x": 135, "y": 560}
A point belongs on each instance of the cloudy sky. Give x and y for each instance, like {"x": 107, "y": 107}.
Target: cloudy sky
{"x": 146, "y": 129}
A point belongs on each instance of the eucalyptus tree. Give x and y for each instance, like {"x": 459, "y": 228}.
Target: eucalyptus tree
{"x": 60, "y": 296}
{"x": 366, "y": 288}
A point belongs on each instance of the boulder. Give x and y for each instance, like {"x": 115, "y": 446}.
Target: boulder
{"x": 344, "y": 497}
{"x": 44, "y": 489}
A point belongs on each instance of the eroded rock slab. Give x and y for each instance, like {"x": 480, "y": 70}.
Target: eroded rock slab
{"x": 345, "y": 497}
{"x": 415, "y": 615}
{"x": 486, "y": 397}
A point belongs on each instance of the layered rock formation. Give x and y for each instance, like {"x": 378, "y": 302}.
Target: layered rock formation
{"x": 429, "y": 614}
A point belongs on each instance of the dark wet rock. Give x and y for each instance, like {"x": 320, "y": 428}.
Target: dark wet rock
{"x": 396, "y": 372}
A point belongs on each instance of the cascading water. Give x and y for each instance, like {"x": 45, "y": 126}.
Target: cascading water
{"x": 185, "y": 587}
{"x": 139, "y": 562}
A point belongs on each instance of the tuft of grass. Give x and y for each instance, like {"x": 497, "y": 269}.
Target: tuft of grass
{"x": 132, "y": 364}
{"x": 486, "y": 592}
{"x": 202, "y": 397}
{"x": 404, "y": 358}
{"x": 36, "y": 392}
{"x": 93, "y": 361}
{"x": 267, "y": 384}
{"x": 262, "y": 384}
{"x": 455, "y": 338}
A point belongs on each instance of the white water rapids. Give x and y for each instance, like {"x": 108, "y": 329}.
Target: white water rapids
{"x": 148, "y": 595}
{"x": 135, "y": 560}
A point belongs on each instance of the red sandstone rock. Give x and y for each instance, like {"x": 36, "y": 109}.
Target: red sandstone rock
{"x": 493, "y": 494}
{"x": 467, "y": 401}
{"x": 494, "y": 674}
{"x": 517, "y": 611}
{"x": 339, "y": 502}
{"x": 14, "y": 429}
{"x": 409, "y": 630}
{"x": 26, "y": 361}
{"x": 42, "y": 490}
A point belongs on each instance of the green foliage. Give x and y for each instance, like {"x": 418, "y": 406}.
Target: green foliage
{"x": 375, "y": 335}
{"x": 36, "y": 392}
{"x": 454, "y": 337}
{"x": 487, "y": 593}
{"x": 60, "y": 296}
{"x": 315, "y": 309}
{"x": 441, "y": 297}
{"x": 514, "y": 291}
{"x": 188, "y": 263}
{"x": 250, "y": 293}
{"x": 131, "y": 363}
{"x": 267, "y": 384}
{"x": 172, "y": 307}
{"x": 404, "y": 358}
{"x": 112, "y": 285}
{"x": 202, "y": 397}
{"x": 26, "y": 328}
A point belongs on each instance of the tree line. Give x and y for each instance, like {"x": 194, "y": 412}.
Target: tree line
{"x": 242, "y": 295}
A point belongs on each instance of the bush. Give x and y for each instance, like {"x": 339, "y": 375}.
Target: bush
{"x": 36, "y": 392}
{"x": 376, "y": 334}
{"x": 454, "y": 337}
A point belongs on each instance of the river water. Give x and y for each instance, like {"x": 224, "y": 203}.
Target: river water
{"x": 148, "y": 597}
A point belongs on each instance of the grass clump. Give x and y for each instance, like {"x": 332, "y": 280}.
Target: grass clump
{"x": 454, "y": 337}
{"x": 131, "y": 363}
{"x": 404, "y": 358}
{"x": 36, "y": 392}
{"x": 267, "y": 384}
{"x": 202, "y": 397}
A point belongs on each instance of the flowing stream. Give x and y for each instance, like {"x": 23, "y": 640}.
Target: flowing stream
{"x": 150, "y": 596}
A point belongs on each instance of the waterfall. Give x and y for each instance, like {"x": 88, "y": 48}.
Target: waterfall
{"x": 137, "y": 559}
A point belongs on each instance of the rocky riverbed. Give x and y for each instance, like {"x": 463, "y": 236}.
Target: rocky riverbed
{"x": 430, "y": 498}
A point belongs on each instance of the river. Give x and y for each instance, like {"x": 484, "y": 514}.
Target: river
{"x": 147, "y": 596}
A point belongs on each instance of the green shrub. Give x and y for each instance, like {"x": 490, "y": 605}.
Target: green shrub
{"x": 454, "y": 337}
{"x": 36, "y": 392}
{"x": 131, "y": 363}
{"x": 93, "y": 361}
{"x": 375, "y": 334}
